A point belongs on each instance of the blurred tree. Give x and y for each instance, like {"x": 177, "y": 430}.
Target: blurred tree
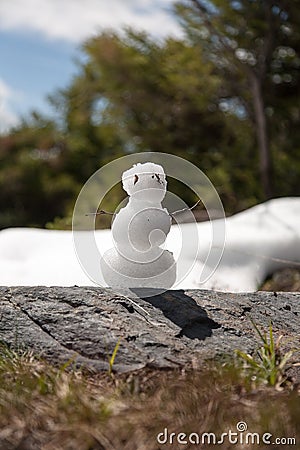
{"x": 90, "y": 139}
{"x": 158, "y": 96}
{"x": 35, "y": 187}
{"x": 254, "y": 47}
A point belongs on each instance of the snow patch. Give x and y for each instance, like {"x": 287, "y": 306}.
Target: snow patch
{"x": 258, "y": 242}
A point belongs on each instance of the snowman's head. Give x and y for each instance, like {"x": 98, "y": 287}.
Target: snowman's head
{"x": 145, "y": 182}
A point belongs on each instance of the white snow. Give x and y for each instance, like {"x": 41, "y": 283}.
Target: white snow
{"x": 144, "y": 176}
{"x": 258, "y": 241}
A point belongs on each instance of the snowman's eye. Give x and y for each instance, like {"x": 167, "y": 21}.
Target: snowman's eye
{"x": 152, "y": 176}
{"x": 136, "y": 179}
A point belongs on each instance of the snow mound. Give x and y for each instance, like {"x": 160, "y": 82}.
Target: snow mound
{"x": 258, "y": 242}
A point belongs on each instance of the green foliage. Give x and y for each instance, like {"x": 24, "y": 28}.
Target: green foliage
{"x": 165, "y": 97}
{"x": 35, "y": 187}
{"x": 269, "y": 365}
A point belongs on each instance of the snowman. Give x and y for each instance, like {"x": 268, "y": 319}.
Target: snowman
{"x": 139, "y": 230}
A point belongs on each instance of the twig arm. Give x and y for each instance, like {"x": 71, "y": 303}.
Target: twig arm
{"x": 185, "y": 209}
{"x": 99, "y": 213}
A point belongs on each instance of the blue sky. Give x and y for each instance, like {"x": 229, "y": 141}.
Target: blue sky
{"x": 40, "y": 41}
{"x": 32, "y": 68}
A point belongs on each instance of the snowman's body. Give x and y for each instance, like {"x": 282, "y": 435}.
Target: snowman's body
{"x": 138, "y": 231}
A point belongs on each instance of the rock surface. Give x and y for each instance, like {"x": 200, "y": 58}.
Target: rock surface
{"x": 172, "y": 329}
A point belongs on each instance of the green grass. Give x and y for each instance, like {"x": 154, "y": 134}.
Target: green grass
{"x": 269, "y": 365}
{"x": 43, "y": 407}
{"x": 39, "y": 402}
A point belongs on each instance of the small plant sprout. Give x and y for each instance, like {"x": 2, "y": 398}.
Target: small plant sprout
{"x": 269, "y": 365}
{"x": 113, "y": 357}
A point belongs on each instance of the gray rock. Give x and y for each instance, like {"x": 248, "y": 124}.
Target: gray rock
{"x": 176, "y": 328}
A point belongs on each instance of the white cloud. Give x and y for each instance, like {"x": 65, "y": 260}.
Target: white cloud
{"x": 75, "y": 20}
{"x": 7, "y": 117}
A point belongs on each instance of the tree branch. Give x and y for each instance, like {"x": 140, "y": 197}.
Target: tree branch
{"x": 269, "y": 41}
